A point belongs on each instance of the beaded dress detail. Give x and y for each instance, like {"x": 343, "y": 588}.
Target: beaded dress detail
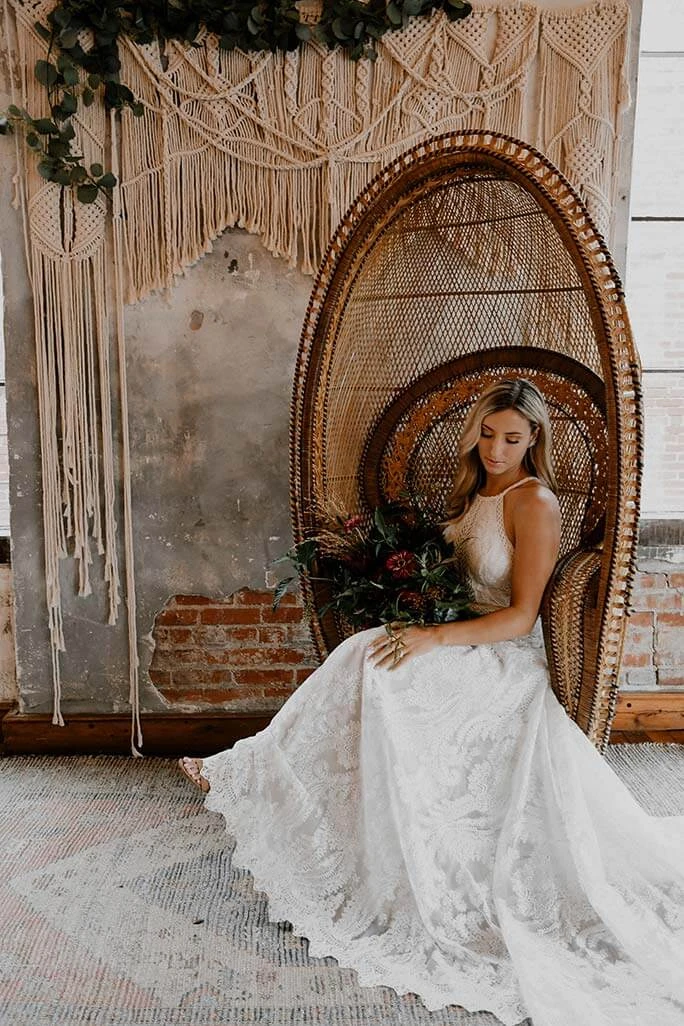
{"x": 445, "y": 829}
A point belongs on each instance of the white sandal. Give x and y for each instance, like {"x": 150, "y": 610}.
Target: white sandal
{"x": 190, "y": 768}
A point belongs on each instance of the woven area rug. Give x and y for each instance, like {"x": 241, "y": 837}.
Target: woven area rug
{"x": 119, "y": 906}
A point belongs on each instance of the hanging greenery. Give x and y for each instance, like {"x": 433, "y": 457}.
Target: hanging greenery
{"x": 73, "y": 74}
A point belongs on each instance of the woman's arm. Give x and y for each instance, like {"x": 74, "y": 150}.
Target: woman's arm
{"x": 536, "y": 525}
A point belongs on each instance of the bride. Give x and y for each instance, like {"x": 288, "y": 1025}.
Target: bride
{"x": 423, "y": 809}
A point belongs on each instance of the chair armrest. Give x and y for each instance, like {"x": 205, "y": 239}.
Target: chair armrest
{"x": 570, "y": 624}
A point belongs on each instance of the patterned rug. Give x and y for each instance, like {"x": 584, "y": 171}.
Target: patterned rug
{"x": 119, "y": 906}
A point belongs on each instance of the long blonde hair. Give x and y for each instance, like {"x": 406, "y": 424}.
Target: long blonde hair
{"x": 517, "y": 394}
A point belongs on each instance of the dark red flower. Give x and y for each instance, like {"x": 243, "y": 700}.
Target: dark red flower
{"x": 353, "y": 522}
{"x": 401, "y": 564}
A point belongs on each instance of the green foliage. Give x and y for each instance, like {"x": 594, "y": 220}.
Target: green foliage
{"x": 394, "y": 566}
{"x": 83, "y": 56}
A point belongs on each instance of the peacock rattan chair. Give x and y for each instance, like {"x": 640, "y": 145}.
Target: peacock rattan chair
{"x": 468, "y": 258}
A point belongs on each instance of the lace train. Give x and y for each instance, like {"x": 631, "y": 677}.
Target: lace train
{"x": 445, "y": 829}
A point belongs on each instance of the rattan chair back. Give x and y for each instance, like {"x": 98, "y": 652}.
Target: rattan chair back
{"x": 467, "y": 259}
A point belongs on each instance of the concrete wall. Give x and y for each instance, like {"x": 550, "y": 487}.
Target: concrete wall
{"x": 209, "y": 371}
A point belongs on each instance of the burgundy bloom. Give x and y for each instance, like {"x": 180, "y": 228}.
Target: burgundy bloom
{"x": 353, "y": 522}
{"x": 401, "y": 564}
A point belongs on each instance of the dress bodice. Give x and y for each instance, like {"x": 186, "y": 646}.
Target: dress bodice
{"x": 480, "y": 538}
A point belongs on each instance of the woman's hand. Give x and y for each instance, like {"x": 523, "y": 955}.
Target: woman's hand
{"x": 400, "y": 643}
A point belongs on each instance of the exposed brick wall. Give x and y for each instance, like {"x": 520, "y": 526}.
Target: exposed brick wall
{"x": 654, "y": 644}
{"x": 238, "y": 654}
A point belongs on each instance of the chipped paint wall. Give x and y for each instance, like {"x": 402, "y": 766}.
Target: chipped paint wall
{"x": 210, "y": 368}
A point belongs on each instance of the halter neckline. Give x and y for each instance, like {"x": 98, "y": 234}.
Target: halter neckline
{"x": 510, "y": 488}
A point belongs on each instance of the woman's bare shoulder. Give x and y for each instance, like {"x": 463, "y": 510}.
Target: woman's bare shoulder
{"x": 534, "y": 499}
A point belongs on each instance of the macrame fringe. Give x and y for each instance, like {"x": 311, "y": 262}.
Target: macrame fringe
{"x": 277, "y": 144}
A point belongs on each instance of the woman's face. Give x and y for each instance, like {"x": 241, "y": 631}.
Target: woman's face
{"x": 504, "y": 439}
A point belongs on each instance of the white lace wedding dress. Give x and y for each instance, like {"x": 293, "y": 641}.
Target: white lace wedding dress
{"x": 444, "y": 828}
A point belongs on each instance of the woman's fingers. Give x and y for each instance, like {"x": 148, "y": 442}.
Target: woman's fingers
{"x": 387, "y": 651}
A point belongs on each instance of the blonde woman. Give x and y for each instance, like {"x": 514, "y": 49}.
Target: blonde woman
{"x": 423, "y": 809}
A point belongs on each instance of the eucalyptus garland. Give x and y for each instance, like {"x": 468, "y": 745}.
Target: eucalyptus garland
{"x": 73, "y": 74}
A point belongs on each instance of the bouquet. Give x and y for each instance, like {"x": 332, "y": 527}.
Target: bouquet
{"x": 391, "y": 566}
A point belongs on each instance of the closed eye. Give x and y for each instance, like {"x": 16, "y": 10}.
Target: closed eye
{"x": 511, "y": 441}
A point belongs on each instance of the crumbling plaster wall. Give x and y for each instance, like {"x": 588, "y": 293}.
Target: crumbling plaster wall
{"x": 209, "y": 370}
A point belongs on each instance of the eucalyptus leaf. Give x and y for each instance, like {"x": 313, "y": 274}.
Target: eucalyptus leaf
{"x": 71, "y": 75}
{"x": 69, "y": 103}
{"x": 107, "y": 181}
{"x": 96, "y": 170}
{"x": 87, "y": 193}
{"x": 58, "y": 149}
{"x": 46, "y": 169}
{"x": 394, "y": 14}
{"x": 354, "y": 25}
{"x": 43, "y": 31}
{"x": 46, "y": 73}
{"x": 45, "y": 126}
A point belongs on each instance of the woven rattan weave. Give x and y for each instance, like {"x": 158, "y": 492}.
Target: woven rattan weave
{"x": 468, "y": 258}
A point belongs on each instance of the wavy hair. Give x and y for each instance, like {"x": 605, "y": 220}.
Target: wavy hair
{"x": 517, "y": 394}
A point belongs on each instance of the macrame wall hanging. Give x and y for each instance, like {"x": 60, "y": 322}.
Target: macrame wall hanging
{"x": 278, "y": 144}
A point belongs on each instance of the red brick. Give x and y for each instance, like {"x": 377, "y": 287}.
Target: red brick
{"x": 676, "y": 580}
{"x": 243, "y": 634}
{"x": 283, "y": 692}
{"x": 273, "y": 635}
{"x": 637, "y": 659}
{"x": 303, "y": 673}
{"x": 189, "y": 655}
{"x": 249, "y": 597}
{"x": 184, "y": 695}
{"x": 174, "y": 636}
{"x": 162, "y": 657}
{"x": 665, "y": 600}
{"x": 253, "y": 656}
{"x": 199, "y": 675}
{"x": 208, "y": 635}
{"x": 671, "y": 619}
{"x": 225, "y": 634}
{"x": 284, "y": 614}
{"x": 670, "y": 680}
{"x": 160, "y": 678}
{"x": 645, "y": 582}
{"x": 231, "y": 614}
{"x": 640, "y": 619}
{"x": 187, "y": 676}
{"x": 217, "y": 695}
{"x": 171, "y": 617}
{"x": 264, "y": 677}
{"x": 193, "y": 600}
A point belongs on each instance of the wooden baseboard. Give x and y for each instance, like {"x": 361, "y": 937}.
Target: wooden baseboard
{"x": 648, "y": 711}
{"x": 168, "y": 734}
{"x": 640, "y": 716}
